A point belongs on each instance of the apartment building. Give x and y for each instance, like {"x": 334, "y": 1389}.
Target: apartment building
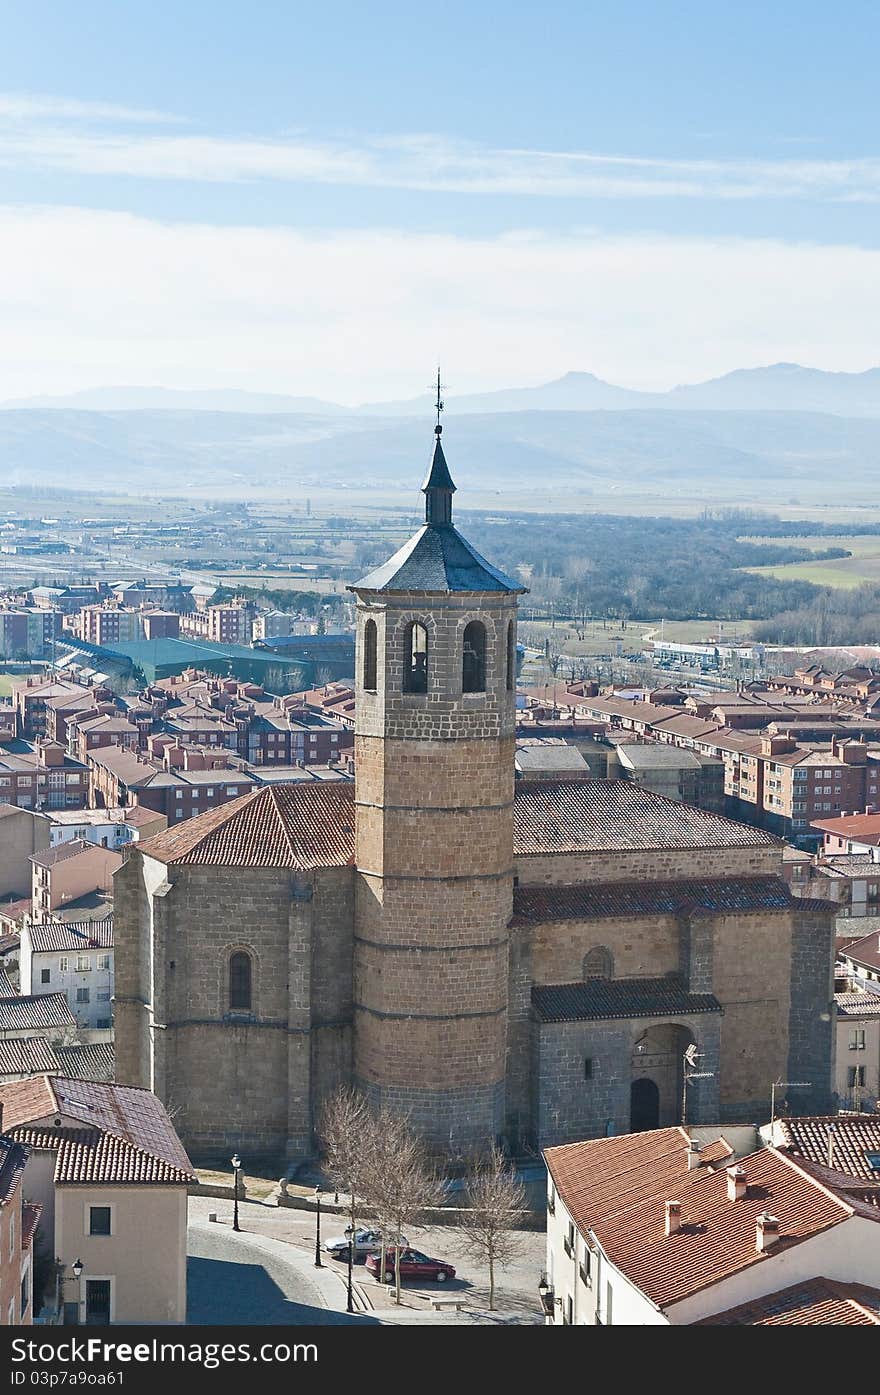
{"x": 201, "y": 780}
{"x": 108, "y": 624}
{"x": 42, "y": 777}
{"x": 32, "y": 696}
{"x": 64, "y": 874}
{"x": 73, "y": 958}
{"x": 222, "y": 624}
{"x": 29, "y": 632}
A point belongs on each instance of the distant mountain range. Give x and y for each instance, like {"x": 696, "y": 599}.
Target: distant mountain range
{"x": 780, "y": 387}
{"x": 519, "y": 457}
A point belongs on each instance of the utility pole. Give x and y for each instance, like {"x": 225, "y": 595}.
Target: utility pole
{"x": 688, "y": 1073}
{"x": 784, "y": 1084}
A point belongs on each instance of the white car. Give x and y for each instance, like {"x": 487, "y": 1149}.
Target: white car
{"x": 366, "y": 1242}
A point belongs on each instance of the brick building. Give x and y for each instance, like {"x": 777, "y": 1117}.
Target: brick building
{"x": 532, "y": 962}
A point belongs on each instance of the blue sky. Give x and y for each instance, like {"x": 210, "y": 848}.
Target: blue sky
{"x": 305, "y": 198}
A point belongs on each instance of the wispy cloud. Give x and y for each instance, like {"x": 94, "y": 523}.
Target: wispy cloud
{"x": 90, "y": 298}
{"x": 416, "y": 162}
{"x": 33, "y": 106}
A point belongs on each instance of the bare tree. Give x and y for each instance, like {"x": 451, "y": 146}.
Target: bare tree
{"x": 496, "y": 1200}
{"x": 402, "y": 1183}
{"x": 345, "y": 1131}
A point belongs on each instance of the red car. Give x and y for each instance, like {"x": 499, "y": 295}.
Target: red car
{"x": 413, "y": 1265}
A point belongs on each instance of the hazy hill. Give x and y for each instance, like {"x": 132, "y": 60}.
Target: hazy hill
{"x": 784, "y": 387}
{"x": 733, "y": 456}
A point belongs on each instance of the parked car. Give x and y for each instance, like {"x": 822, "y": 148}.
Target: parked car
{"x": 413, "y": 1265}
{"x": 366, "y": 1242}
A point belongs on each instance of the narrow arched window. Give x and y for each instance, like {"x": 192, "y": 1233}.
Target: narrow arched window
{"x": 473, "y": 659}
{"x": 240, "y": 981}
{"x": 370, "y": 656}
{"x": 511, "y": 657}
{"x": 415, "y": 659}
{"x": 598, "y": 963}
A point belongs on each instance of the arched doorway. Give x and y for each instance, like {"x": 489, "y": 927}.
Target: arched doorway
{"x": 644, "y": 1105}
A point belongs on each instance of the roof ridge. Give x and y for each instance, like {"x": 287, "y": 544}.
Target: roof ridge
{"x": 804, "y": 1172}
{"x": 282, "y": 823}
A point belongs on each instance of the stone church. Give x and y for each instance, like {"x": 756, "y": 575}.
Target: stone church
{"x": 531, "y": 962}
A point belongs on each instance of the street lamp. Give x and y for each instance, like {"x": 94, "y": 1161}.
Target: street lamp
{"x": 236, "y": 1169}
{"x": 77, "y": 1268}
{"x": 318, "y": 1264}
{"x": 349, "y": 1230}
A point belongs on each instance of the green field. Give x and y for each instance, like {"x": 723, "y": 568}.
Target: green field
{"x": 281, "y": 581}
{"x": 848, "y": 572}
{"x": 613, "y": 638}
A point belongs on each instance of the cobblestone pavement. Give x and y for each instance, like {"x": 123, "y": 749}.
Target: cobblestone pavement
{"x": 274, "y": 1256}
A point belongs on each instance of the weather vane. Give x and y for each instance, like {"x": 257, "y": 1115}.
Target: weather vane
{"x": 439, "y": 403}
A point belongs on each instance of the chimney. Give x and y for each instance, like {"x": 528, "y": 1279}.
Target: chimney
{"x": 830, "y": 1145}
{"x": 767, "y": 1232}
{"x": 672, "y": 1217}
{"x": 736, "y": 1183}
{"x": 693, "y": 1154}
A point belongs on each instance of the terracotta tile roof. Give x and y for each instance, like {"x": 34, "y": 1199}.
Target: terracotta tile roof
{"x": 53, "y": 935}
{"x": 30, "y": 1219}
{"x": 32, "y": 1011}
{"x": 536, "y": 905}
{"x": 13, "y": 1158}
{"x": 26, "y": 1056}
{"x": 94, "y": 1060}
{"x": 604, "y": 998}
{"x": 814, "y": 1303}
{"x": 88, "y": 1155}
{"x": 618, "y": 1188}
{"x": 861, "y": 828}
{"x": 309, "y": 825}
{"x": 857, "y": 1004}
{"x": 7, "y": 988}
{"x": 856, "y": 1140}
{"x": 865, "y": 951}
{"x": 599, "y": 815}
{"x": 109, "y": 1133}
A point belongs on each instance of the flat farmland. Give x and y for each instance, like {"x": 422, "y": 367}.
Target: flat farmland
{"x": 570, "y": 638}
{"x": 846, "y": 572}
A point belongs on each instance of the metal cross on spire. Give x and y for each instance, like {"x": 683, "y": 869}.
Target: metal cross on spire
{"x": 439, "y": 403}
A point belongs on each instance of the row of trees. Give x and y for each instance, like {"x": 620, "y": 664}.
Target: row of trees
{"x": 382, "y": 1165}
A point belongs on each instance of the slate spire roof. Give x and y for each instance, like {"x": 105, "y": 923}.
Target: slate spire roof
{"x": 437, "y": 558}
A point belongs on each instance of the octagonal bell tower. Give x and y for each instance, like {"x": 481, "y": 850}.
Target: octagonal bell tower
{"x": 434, "y": 749}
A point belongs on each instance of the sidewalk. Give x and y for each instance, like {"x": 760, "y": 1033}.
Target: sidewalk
{"x": 288, "y": 1237}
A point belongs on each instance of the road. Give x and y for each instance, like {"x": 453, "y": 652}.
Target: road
{"x": 266, "y": 1273}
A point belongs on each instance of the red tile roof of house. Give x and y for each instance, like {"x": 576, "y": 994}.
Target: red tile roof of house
{"x": 855, "y": 1138}
{"x": 814, "y": 1303}
{"x": 857, "y": 1004}
{"x": 307, "y": 825}
{"x": 861, "y": 828}
{"x": 312, "y": 825}
{"x": 865, "y": 951}
{"x": 109, "y": 1133}
{"x": 618, "y": 1187}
